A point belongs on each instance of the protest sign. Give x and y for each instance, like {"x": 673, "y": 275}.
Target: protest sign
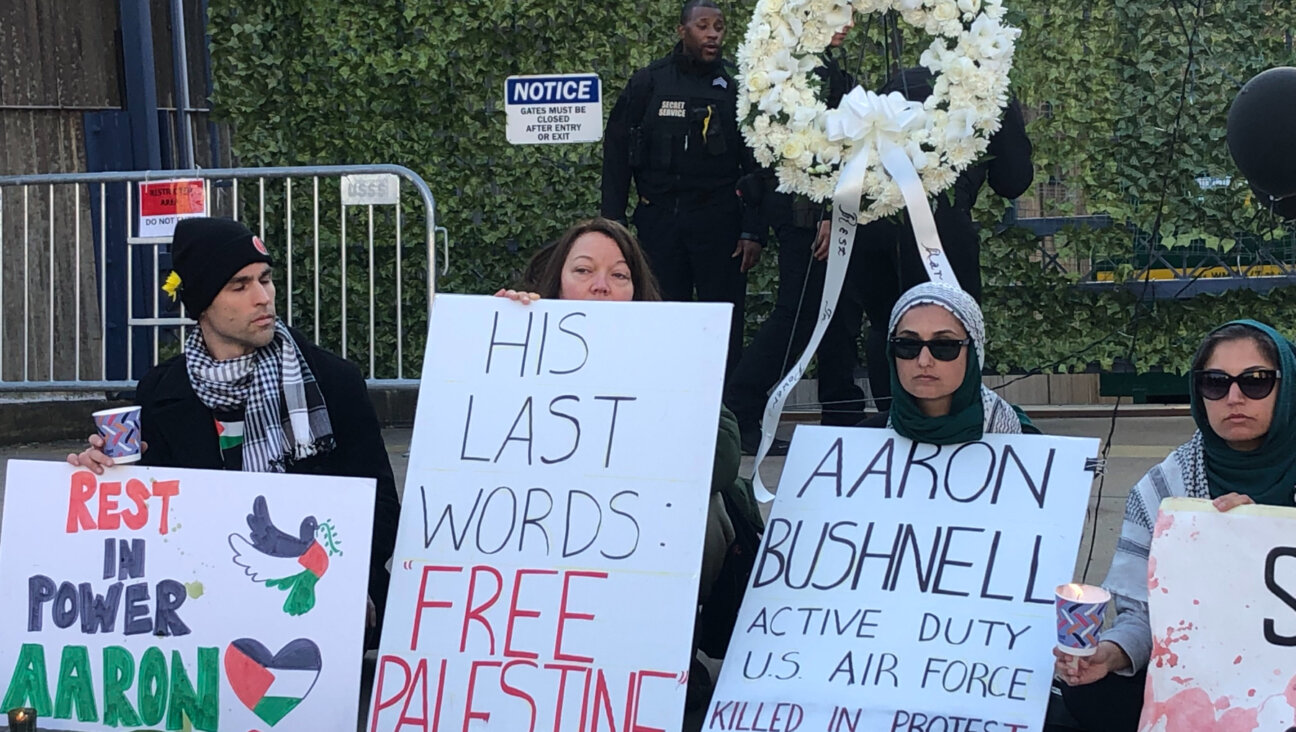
{"x": 1222, "y": 608}
{"x": 547, "y": 562}
{"x": 183, "y": 599}
{"x": 906, "y": 586}
{"x": 163, "y": 203}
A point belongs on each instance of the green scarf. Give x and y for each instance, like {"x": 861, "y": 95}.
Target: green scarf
{"x": 965, "y": 421}
{"x": 1268, "y": 473}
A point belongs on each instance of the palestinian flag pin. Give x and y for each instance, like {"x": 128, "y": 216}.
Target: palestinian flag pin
{"x": 272, "y": 685}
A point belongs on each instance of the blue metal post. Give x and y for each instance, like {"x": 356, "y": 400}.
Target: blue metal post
{"x": 138, "y": 70}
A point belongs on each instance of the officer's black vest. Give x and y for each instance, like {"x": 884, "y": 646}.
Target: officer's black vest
{"x": 688, "y": 140}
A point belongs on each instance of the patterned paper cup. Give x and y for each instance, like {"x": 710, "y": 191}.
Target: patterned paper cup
{"x": 120, "y": 430}
{"x": 1080, "y": 610}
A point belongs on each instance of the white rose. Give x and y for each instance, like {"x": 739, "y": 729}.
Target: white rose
{"x": 969, "y": 6}
{"x": 945, "y": 11}
{"x": 759, "y": 81}
{"x": 789, "y": 98}
{"x": 804, "y": 116}
{"x": 773, "y": 6}
{"x": 960, "y": 70}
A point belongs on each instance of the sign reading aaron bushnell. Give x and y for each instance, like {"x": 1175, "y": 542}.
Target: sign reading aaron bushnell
{"x": 903, "y": 586}
{"x": 183, "y": 599}
{"x": 554, "y": 109}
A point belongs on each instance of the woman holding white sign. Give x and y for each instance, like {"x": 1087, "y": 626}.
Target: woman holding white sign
{"x": 936, "y": 350}
{"x": 600, "y": 259}
{"x": 1244, "y": 451}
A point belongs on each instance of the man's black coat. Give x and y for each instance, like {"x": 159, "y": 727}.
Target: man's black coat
{"x": 181, "y": 433}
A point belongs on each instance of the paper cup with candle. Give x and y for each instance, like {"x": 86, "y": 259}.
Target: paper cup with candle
{"x": 1080, "y": 611}
{"x": 120, "y": 430}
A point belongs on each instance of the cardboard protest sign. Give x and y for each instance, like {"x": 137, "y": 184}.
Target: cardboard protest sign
{"x": 547, "y": 563}
{"x": 1222, "y": 605}
{"x": 183, "y": 599}
{"x": 906, "y": 586}
{"x": 163, "y": 203}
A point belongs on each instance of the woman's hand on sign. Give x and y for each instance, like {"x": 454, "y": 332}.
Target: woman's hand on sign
{"x": 93, "y": 457}
{"x": 522, "y": 296}
{"x": 821, "y": 240}
{"x": 1231, "y": 501}
{"x": 1081, "y": 670}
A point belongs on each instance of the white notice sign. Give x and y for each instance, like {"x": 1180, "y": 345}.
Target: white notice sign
{"x": 550, "y": 544}
{"x": 554, "y": 109}
{"x": 907, "y": 587}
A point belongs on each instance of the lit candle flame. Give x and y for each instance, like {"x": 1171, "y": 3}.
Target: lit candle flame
{"x": 1078, "y": 590}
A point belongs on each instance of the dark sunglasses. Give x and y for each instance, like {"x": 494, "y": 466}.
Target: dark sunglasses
{"x": 943, "y": 349}
{"x": 1215, "y": 385}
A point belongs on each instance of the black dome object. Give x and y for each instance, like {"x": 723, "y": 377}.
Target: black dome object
{"x": 1262, "y": 131}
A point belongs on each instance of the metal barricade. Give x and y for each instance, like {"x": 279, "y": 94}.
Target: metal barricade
{"x": 80, "y": 288}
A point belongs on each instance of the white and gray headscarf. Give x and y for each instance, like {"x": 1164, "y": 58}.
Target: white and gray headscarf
{"x": 1000, "y": 417}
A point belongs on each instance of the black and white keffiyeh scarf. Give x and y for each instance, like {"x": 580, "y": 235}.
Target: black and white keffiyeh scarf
{"x": 285, "y": 419}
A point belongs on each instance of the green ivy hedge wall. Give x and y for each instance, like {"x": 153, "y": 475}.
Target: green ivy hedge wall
{"x": 1132, "y": 99}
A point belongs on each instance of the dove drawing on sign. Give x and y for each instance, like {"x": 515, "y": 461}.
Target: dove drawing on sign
{"x": 280, "y": 560}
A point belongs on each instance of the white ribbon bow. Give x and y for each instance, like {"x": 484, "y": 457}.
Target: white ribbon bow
{"x": 872, "y": 118}
{"x": 883, "y": 125}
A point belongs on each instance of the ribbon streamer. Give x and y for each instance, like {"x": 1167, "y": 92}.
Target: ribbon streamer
{"x": 846, "y": 204}
{"x": 901, "y": 169}
{"x": 881, "y": 120}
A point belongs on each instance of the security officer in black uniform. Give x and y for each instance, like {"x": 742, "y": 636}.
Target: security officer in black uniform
{"x": 798, "y": 222}
{"x": 674, "y": 129}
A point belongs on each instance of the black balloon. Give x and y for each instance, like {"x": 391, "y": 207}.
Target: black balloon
{"x": 1262, "y": 132}
{"x": 1286, "y": 208}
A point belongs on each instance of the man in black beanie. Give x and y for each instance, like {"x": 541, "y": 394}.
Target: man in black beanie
{"x": 249, "y": 393}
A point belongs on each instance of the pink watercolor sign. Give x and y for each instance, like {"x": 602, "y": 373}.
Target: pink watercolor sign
{"x": 1222, "y": 600}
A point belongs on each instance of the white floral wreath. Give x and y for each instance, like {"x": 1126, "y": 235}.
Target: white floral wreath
{"x": 789, "y": 127}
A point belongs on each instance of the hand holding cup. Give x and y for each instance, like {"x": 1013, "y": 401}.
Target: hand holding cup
{"x": 117, "y": 441}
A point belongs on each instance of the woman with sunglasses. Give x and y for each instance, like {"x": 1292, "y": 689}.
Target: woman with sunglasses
{"x": 1244, "y": 451}
{"x": 937, "y": 349}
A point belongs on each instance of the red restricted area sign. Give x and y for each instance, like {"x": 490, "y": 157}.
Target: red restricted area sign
{"x": 163, "y": 203}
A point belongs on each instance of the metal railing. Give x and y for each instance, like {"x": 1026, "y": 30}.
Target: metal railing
{"x": 70, "y": 325}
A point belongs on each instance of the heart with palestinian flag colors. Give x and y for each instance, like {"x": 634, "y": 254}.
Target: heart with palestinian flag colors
{"x": 272, "y": 685}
